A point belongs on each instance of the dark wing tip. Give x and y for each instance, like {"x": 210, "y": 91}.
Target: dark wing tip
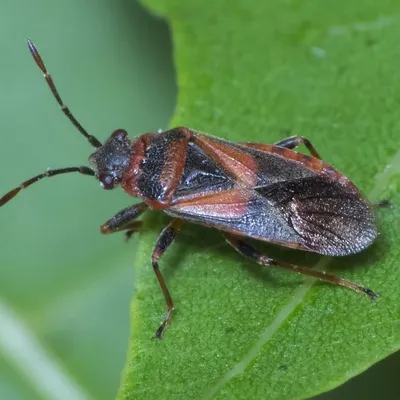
{"x": 330, "y": 218}
{"x": 334, "y": 226}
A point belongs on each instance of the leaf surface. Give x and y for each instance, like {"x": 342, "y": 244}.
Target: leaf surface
{"x": 260, "y": 71}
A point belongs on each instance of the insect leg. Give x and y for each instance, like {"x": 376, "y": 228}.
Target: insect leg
{"x": 125, "y": 220}
{"x": 250, "y": 252}
{"x": 49, "y": 173}
{"x": 294, "y": 141}
{"x": 165, "y": 239}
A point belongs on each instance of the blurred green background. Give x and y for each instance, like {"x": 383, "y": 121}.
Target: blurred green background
{"x": 64, "y": 288}
{"x": 68, "y": 285}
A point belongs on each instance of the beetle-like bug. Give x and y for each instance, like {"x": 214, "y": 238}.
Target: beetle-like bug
{"x": 260, "y": 191}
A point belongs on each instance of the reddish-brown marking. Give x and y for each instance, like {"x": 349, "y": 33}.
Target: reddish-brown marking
{"x": 226, "y": 204}
{"x": 225, "y": 200}
{"x": 131, "y": 175}
{"x": 268, "y": 148}
{"x": 174, "y": 165}
{"x": 241, "y": 166}
{"x": 309, "y": 162}
{"x": 312, "y": 163}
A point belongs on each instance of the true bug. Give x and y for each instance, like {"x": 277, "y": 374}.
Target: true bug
{"x": 254, "y": 190}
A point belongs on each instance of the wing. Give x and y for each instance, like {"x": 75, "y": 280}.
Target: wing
{"x": 255, "y": 165}
{"x": 214, "y": 164}
{"x": 331, "y": 218}
{"x": 314, "y": 213}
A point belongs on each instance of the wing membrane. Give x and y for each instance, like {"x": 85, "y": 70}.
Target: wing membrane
{"x": 314, "y": 214}
{"x": 331, "y": 218}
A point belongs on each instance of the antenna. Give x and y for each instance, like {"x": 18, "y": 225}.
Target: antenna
{"x": 49, "y": 173}
{"x": 36, "y": 56}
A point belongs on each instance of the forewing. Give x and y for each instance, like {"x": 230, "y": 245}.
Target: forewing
{"x": 314, "y": 214}
{"x": 201, "y": 175}
{"x": 330, "y": 217}
{"x": 289, "y": 198}
{"x": 240, "y": 211}
{"x": 251, "y": 167}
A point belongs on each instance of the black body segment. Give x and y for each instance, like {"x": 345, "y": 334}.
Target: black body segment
{"x": 201, "y": 175}
{"x": 112, "y": 159}
{"x": 159, "y": 165}
{"x": 149, "y": 183}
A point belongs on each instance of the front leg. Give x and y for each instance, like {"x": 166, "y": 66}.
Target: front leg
{"x": 125, "y": 220}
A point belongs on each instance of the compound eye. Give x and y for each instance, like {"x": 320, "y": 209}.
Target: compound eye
{"x": 107, "y": 181}
{"x": 120, "y": 134}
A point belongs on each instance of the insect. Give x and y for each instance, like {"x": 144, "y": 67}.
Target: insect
{"x": 245, "y": 190}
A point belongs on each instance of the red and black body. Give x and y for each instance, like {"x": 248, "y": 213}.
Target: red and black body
{"x": 245, "y": 190}
{"x": 265, "y": 192}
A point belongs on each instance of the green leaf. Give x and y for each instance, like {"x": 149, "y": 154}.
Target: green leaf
{"x": 259, "y": 71}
